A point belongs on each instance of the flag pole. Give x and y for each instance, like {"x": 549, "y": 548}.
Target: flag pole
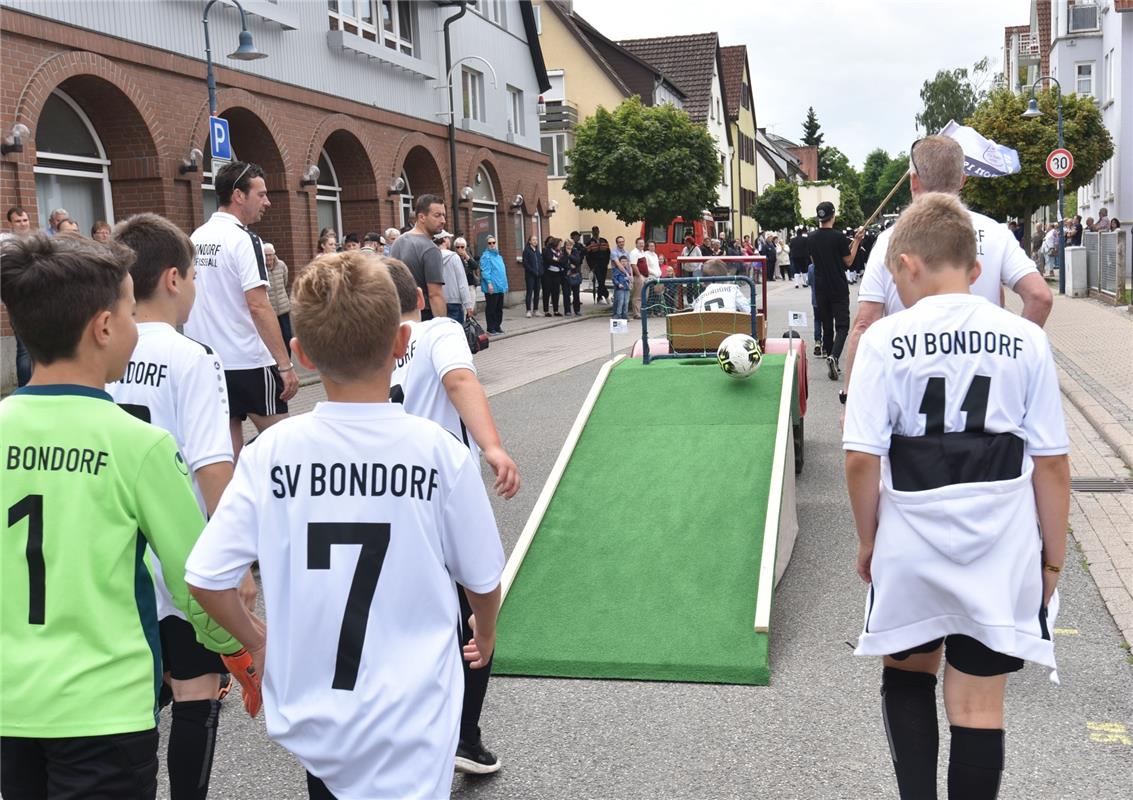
{"x": 888, "y": 197}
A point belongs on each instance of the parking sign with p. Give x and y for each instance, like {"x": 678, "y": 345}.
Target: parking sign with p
{"x": 220, "y": 145}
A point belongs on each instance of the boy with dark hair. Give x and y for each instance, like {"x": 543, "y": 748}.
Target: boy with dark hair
{"x": 177, "y": 384}
{"x": 960, "y": 486}
{"x": 87, "y": 488}
{"x": 623, "y": 280}
{"x": 436, "y": 379}
{"x": 368, "y": 515}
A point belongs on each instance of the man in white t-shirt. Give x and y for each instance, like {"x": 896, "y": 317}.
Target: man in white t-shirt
{"x": 177, "y": 384}
{"x": 937, "y": 165}
{"x": 233, "y": 314}
{"x": 361, "y": 517}
{"x": 436, "y": 379}
{"x": 721, "y": 296}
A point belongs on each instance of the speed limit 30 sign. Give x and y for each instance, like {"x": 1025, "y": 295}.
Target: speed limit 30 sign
{"x": 1059, "y": 163}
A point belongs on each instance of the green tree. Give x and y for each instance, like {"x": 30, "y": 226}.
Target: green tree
{"x": 999, "y": 118}
{"x": 778, "y": 207}
{"x": 869, "y": 190}
{"x": 893, "y": 172}
{"x": 849, "y": 209}
{"x": 811, "y": 135}
{"x": 834, "y": 166}
{"x": 952, "y": 94}
{"x": 643, "y": 163}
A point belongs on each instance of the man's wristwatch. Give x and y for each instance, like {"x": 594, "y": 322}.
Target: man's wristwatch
{"x": 842, "y": 396}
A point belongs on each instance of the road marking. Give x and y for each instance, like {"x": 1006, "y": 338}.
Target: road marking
{"x": 1109, "y": 733}
{"x": 1066, "y": 631}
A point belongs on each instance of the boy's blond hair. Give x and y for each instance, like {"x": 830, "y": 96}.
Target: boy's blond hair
{"x": 715, "y": 268}
{"x": 937, "y": 229}
{"x": 344, "y": 308}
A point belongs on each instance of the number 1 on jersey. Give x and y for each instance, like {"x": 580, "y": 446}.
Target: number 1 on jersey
{"x": 31, "y": 508}
{"x": 374, "y": 538}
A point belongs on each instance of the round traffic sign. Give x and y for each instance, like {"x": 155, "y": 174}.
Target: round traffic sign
{"x": 1059, "y": 163}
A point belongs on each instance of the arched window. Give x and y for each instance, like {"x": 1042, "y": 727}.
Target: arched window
{"x": 71, "y": 168}
{"x": 483, "y": 210}
{"x": 406, "y": 207}
{"x": 327, "y": 193}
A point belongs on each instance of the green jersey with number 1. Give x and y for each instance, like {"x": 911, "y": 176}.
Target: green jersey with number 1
{"x": 85, "y": 486}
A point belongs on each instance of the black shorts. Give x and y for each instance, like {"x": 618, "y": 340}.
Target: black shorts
{"x": 968, "y": 655}
{"x": 254, "y": 391}
{"x": 120, "y": 766}
{"x": 182, "y": 655}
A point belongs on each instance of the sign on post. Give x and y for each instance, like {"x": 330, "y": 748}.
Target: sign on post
{"x": 796, "y": 319}
{"x": 220, "y": 145}
{"x": 1059, "y": 163}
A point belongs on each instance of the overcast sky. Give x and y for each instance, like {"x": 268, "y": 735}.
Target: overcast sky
{"x": 860, "y": 63}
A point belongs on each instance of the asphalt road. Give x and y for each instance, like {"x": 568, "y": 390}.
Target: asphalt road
{"x": 815, "y": 732}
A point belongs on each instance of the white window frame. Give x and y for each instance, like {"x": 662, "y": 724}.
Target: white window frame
{"x": 393, "y": 39}
{"x": 101, "y": 161}
{"x": 1109, "y": 76}
{"x": 495, "y": 11}
{"x": 482, "y": 206}
{"x": 1088, "y": 66}
{"x": 330, "y": 192}
{"x": 396, "y": 39}
{"x": 472, "y": 94}
{"x": 538, "y": 223}
{"x": 336, "y": 9}
{"x": 538, "y": 11}
{"x": 515, "y": 111}
{"x": 559, "y": 158}
{"x": 723, "y": 170}
{"x": 405, "y": 203}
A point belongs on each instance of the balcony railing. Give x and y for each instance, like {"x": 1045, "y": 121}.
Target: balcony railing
{"x": 560, "y": 116}
{"x": 1028, "y": 48}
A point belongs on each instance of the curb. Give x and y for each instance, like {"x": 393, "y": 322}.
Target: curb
{"x": 1112, "y": 432}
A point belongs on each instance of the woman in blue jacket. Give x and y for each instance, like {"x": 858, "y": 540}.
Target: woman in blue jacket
{"x": 493, "y": 282}
{"x": 532, "y": 274}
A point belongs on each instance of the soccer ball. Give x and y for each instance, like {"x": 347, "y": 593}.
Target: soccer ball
{"x": 739, "y": 355}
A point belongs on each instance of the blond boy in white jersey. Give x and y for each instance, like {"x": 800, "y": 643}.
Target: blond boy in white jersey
{"x": 959, "y": 482}
{"x": 436, "y": 379}
{"x": 362, "y": 518}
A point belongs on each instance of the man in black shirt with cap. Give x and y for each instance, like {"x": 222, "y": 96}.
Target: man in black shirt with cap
{"x": 831, "y": 253}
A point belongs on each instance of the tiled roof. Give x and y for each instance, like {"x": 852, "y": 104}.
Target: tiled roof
{"x": 734, "y": 60}
{"x": 569, "y": 19}
{"x": 687, "y": 61}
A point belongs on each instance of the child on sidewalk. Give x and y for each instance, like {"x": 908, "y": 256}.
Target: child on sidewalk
{"x": 623, "y": 280}
{"x": 363, "y": 513}
{"x": 959, "y": 483}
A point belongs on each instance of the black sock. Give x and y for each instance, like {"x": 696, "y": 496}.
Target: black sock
{"x": 975, "y": 763}
{"x": 908, "y": 707}
{"x": 192, "y": 738}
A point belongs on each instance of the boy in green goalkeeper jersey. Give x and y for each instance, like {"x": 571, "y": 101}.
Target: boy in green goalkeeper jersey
{"x": 86, "y": 487}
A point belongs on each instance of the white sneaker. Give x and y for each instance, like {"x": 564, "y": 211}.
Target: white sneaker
{"x": 528, "y": 315}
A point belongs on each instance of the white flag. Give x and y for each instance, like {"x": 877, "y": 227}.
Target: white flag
{"x": 983, "y": 158}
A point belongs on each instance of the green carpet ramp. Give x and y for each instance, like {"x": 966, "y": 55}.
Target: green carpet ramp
{"x": 645, "y": 554}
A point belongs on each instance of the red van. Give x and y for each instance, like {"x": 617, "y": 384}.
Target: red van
{"x": 670, "y": 239}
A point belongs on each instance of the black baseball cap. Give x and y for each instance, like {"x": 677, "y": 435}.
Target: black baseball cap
{"x": 825, "y": 210}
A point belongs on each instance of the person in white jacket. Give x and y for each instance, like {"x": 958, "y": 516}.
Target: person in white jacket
{"x": 458, "y": 300}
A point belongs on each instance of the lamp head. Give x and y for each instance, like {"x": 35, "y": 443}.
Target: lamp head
{"x": 247, "y": 51}
{"x": 1032, "y": 109}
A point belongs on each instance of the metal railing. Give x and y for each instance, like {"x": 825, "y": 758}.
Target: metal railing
{"x": 1101, "y": 261}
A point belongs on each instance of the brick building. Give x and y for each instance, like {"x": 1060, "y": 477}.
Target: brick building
{"x": 113, "y": 94}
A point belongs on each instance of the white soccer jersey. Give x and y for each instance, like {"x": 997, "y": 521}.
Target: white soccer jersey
{"x": 177, "y": 384}
{"x": 1002, "y": 260}
{"x": 362, "y": 517}
{"x": 436, "y": 348}
{"x": 722, "y": 297}
{"x": 958, "y": 546}
{"x": 230, "y": 261}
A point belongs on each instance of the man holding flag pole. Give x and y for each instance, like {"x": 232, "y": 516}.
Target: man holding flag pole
{"x": 941, "y": 163}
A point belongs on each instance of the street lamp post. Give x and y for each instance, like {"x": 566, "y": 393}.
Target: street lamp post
{"x": 1032, "y": 112}
{"x": 245, "y": 52}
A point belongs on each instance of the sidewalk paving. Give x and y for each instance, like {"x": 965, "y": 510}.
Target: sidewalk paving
{"x": 1093, "y": 347}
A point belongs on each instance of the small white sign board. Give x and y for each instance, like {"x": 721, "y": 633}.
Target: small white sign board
{"x": 796, "y": 319}
{"x": 619, "y": 326}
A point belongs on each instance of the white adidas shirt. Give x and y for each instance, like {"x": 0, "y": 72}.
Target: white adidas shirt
{"x": 177, "y": 384}
{"x": 230, "y": 261}
{"x": 961, "y": 558}
{"x": 1002, "y": 260}
{"x": 436, "y": 348}
{"x": 722, "y": 297}
{"x": 363, "y": 501}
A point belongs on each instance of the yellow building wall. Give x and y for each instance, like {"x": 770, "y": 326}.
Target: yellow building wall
{"x": 587, "y": 87}
{"x": 743, "y": 173}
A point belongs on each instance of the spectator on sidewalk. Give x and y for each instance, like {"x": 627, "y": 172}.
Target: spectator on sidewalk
{"x": 390, "y": 236}
{"x": 60, "y": 215}
{"x": 351, "y": 242}
{"x": 555, "y": 261}
{"x": 19, "y": 225}
{"x": 783, "y": 258}
{"x": 532, "y": 274}
{"x": 623, "y": 280}
{"x": 328, "y": 243}
{"x": 1050, "y": 248}
{"x": 767, "y": 250}
{"x": 277, "y": 292}
{"x": 493, "y": 280}
{"x": 372, "y": 242}
{"x": 471, "y": 267}
{"x": 458, "y": 301}
{"x": 572, "y": 281}
{"x": 100, "y": 231}
{"x": 618, "y": 250}
{"x": 637, "y": 263}
{"x": 598, "y": 260}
